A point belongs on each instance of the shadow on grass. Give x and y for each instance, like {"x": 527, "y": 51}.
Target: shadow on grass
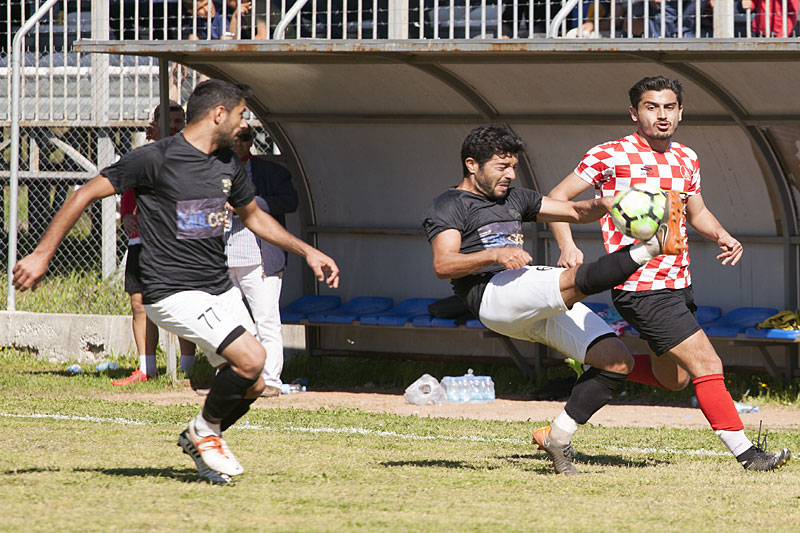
{"x": 581, "y": 458}
{"x": 32, "y": 470}
{"x": 439, "y": 463}
{"x": 178, "y": 474}
{"x": 120, "y": 372}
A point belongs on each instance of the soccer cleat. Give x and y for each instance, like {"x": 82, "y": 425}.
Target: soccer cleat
{"x": 202, "y": 468}
{"x": 762, "y": 460}
{"x": 214, "y": 452}
{"x": 562, "y": 456}
{"x": 668, "y": 234}
{"x": 576, "y": 366}
{"x": 136, "y": 377}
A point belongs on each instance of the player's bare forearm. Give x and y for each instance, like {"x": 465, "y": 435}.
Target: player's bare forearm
{"x": 570, "y": 187}
{"x": 580, "y": 212}
{"x": 450, "y": 263}
{"x": 457, "y": 265}
{"x": 267, "y": 228}
{"x": 704, "y": 221}
{"x": 29, "y": 271}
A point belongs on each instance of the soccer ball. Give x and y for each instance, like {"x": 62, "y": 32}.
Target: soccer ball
{"x": 638, "y": 211}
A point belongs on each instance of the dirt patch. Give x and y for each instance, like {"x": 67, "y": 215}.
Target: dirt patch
{"x": 501, "y": 409}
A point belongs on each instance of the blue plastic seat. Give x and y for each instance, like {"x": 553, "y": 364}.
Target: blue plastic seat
{"x": 708, "y": 313}
{"x": 474, "y": 323}
{"x": 771, "y": 333}
{"x": 352, "y": 310}
{"x": 737, "y": 321}
{"x": 398, "y": 315}
{"x": 429, "y": 321}
{"x": 314, "y": 303}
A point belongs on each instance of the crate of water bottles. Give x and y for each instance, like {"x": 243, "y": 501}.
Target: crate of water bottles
{"x": 468, "y": 388}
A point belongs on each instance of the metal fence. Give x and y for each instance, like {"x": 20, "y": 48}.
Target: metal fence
{"x": 79, "y": 112}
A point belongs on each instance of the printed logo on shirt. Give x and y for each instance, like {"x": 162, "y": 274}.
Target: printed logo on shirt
{"x": 200, "y": 219}
{"x": 686, "y": 172}
{"x": 502, "y": 235}
{"x": 226, "y": 186}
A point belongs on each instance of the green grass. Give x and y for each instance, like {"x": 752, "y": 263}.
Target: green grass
{"x": 79, "y": 292}
{"x": 72, "y": 460}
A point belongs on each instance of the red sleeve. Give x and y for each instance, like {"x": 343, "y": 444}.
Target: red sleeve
{"x": 127, "y": 205}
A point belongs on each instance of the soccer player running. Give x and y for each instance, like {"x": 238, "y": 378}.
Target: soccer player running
{"x": 657, "y": 300}
{"x": 475, "y": 230}
{"x": 182, "y": 183}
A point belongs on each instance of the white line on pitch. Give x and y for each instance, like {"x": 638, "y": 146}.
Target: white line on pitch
{"x": 359, "y": 431}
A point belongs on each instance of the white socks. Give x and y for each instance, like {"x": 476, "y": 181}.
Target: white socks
{"x": 736, "y": 441}
{"x": 147, "y": 365}
{"x": 641, "y": 253}
{"x": 204, "y": 428}
{"x": 186, "y": 362}
{"x": 562, "y": 429}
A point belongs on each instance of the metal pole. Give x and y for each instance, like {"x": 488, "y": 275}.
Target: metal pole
{"x": 13, "y": 185}
{"x": 398, "y": 19}
{"x": 280, "y": 30}
{"x": 723, "y": 19}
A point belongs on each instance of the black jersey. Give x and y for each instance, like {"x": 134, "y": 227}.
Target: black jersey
{"x": 180, "y": 195}
{"x": 483, "y": 224}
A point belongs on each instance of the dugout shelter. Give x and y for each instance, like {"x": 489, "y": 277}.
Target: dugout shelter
{"x": 371, "y": 131}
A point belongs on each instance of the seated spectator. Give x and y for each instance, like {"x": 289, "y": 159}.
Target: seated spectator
{"x": 209, "y": 19}
{"x": 686, "y": 26}
{"x": 775, "y": 17}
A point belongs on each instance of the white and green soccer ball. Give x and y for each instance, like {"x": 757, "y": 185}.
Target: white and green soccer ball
{"x": 638, "y": 211}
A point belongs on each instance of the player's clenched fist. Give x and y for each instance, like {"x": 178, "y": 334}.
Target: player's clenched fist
{"x": 512, "y": 258}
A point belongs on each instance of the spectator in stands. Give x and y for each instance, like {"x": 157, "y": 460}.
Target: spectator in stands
{"x": 145, "y": 333}
{"x": 686, "y": 26}
{"x": 774, "y": 17}
{"x": 255, "y": 266}
{"x": 213, "y": 20}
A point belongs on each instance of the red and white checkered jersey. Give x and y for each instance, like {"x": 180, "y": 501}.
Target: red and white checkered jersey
{"x": 616, "y": 166}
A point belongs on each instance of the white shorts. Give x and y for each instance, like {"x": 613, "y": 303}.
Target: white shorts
{"x": 204, "y": 319}
{"x": 526, "y": 304}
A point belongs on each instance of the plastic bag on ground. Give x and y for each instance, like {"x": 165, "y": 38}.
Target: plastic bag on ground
{"x": 425, "y": 391}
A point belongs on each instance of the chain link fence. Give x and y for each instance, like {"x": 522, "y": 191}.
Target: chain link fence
{"x": 79, "y": 113}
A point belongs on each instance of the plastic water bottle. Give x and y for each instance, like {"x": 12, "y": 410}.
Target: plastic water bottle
{"x": 107, "y": 365}
{"x": 74, "y": 368}
{"x": 292, "y": 388}
{"x": 468, "y": 388}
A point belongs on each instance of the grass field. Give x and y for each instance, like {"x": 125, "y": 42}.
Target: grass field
{"x": 77, "y": 455}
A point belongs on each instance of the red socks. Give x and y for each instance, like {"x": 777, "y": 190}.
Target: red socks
{"x": 716, "y": 403}
{"x": 642, "y": 371}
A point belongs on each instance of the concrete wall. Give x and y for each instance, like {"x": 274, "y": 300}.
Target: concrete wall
{"x": 89, "y": 338}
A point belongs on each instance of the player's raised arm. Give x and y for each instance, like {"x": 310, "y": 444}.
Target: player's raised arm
{"x": 569, "y": 188}
{"x": 704, "y": 221}
{"x": 267, "y": 228}
{"x": 581, "y": 212}
{"x": 28, "y": 272}
{"x": 449, "y": 263}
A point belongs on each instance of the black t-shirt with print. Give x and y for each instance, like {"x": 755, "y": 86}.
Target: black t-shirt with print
{"x": 180, "y": 196}
{"x": 483, "y": 224}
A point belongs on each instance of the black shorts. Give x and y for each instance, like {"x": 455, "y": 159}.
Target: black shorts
{"x": 664, "y": 318}
{"x": 133, "y": 282}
